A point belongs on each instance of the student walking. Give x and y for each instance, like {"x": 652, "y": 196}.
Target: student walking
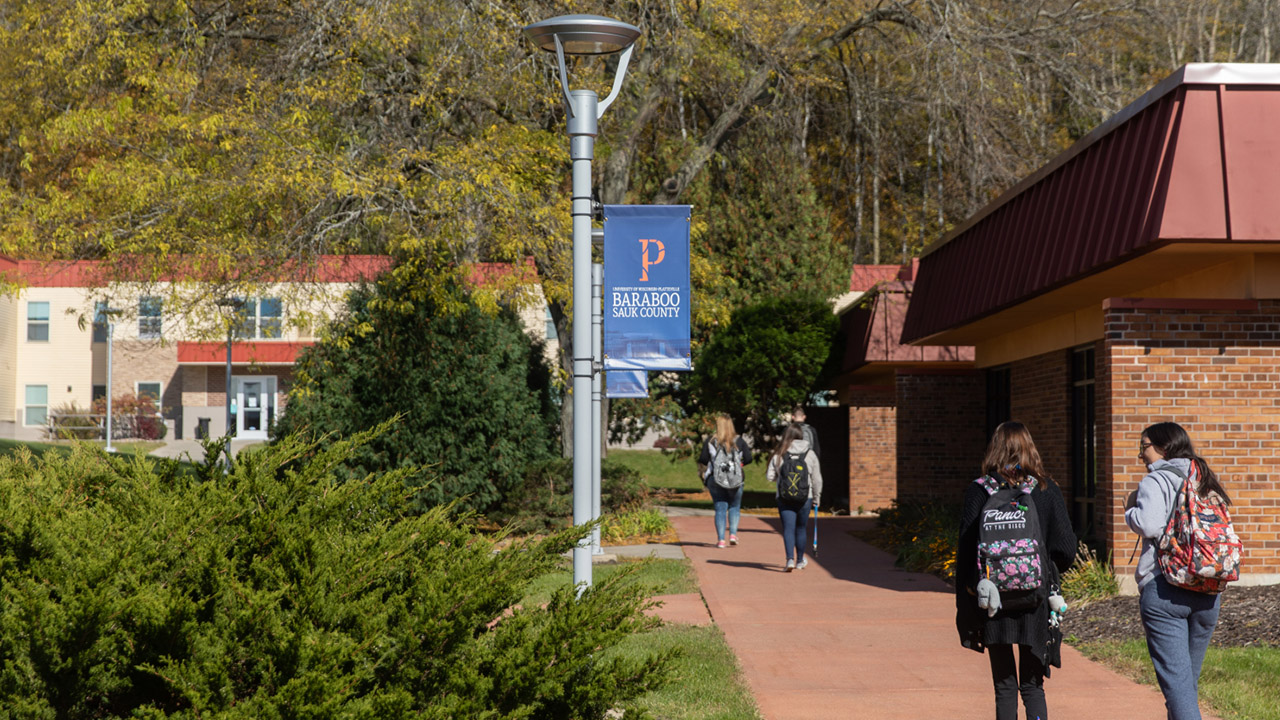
{"x": 1014, "y": 507}
{"x": 794, "y": 470}
{"x": 721, "y": 468}
{"x": 1178, "y": 621}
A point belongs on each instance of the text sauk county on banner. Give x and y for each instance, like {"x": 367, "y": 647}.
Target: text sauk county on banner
{"x": 646, "y": 287}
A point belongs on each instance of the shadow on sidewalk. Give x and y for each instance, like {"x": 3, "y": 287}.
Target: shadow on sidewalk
{"x": 842, "y": 554}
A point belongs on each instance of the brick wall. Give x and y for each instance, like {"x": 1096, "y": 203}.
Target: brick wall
{"x": 1041, "y": 400}
{"x": 873, "y": 452}
{"x": 941, "y": 432}
{"x": 148, "y": 361}
{"x": 1212, "y": 366}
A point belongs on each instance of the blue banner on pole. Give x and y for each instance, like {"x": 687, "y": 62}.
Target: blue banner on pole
{"x": 626, "y": 384}
{"x": 646, "y": 287}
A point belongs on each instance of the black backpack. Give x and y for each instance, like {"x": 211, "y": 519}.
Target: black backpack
{"x": 1011, "y": 544}
{"x": 793, "y": 478}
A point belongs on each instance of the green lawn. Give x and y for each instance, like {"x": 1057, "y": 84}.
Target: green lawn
{"x": 661, "y": 473}
{"x": 705, "y": 682}
{"x": 40, "y": 448}
{"x": 1237, "y": 683}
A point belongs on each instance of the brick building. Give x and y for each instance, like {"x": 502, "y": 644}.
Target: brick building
{"x": 909, "y": 410}
{"x": 1133, "y": 279}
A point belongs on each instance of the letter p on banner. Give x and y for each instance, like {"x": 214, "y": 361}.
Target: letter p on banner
{"x": 646, "y": 287}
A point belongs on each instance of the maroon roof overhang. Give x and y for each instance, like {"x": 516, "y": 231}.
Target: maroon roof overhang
{"x": 1196, "y": 159}
{"x": 873, "y": 326}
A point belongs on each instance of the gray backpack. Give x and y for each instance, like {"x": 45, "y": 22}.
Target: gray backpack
{"x": 726, "y": 468}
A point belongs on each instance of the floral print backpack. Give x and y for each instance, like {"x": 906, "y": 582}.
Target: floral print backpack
{"x": 1199, "y": 549}
{"x": 1010, "y": 544}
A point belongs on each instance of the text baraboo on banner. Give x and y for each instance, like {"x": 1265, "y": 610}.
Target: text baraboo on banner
{"x": 646, "y": 287}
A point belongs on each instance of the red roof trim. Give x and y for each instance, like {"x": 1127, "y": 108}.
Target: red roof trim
{"x": 242, "y": 353}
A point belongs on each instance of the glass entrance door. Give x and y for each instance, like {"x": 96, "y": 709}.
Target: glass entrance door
{"x": 256, "y": 400}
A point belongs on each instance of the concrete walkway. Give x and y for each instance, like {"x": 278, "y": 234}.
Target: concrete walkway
{"x": 192, "y": 450}
{"x": 851, "y": 636}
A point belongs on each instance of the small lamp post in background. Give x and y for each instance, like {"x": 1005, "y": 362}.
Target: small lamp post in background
{"x": 231, "y": 310}
{"x": 583, "y": 35}
{"x": 110, "y": 314}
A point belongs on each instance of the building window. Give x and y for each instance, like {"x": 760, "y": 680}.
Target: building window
{"x": 999, "y": 397}
{"x": 149, "y": 390}
{"x": 551, "y": 327}
{"x": 37, "y": 410}
{"x": 1084, "y": 457}
{"x": 99, "y": 392}
{"x": 259, "y": 318}
{"x": 270, "y": 311}
{"x": 38, "y": 322}
{"x": 100, "y": 322}
{"x": 149, "y": 318}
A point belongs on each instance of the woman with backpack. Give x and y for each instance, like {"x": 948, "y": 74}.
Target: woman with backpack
{"x": 794, "y": 470}
{"x": 1015, "y": 507}
{"x": 721, "y": 467}
{"x": 1178, "y": 622}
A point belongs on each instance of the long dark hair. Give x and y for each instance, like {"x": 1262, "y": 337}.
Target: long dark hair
{"x": 1173, "y": 442}
{"x": 791, "y": 434}
{"x": 1012, "y": 455}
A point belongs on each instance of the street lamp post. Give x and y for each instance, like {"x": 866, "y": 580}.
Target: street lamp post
{"x": 597, "y": 396}
{"x": 232, "y": 306}
{"x": 111, "y": 331}
{"x": 583, "y": 35}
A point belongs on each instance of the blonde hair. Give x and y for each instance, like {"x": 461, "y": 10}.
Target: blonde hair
{"x": 725, "y": 432}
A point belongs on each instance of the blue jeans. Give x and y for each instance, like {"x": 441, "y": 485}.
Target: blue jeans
{"x": 795, "y": 519}
{"x": 1179, "y": 624}
{"x": 1005, "y": 675}
{"x": 726, "y": 502}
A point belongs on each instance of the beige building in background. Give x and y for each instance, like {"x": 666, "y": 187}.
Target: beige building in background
{"x": 54, "y": 351}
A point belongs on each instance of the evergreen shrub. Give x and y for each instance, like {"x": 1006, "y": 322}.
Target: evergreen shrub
{"x": 135, "y": 588}
{"x": 470, "y": 389}
{"x": 544, "y": 500}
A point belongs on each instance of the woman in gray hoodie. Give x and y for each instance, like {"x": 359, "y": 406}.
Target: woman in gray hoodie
{"x": 1178, "y": 622}
{"x": 794, "y": 462}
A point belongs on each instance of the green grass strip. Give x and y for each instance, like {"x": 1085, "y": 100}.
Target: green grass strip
{"x": 681, "y": 475}
{"x": 1237, "y": 683}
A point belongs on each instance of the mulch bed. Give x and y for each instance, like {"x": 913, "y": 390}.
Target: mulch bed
{"x": 1250, "y": 616}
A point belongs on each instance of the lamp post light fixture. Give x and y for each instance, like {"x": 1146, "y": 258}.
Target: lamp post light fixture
{"x": 232, "y": 307}
{"x": 583, "y": 35}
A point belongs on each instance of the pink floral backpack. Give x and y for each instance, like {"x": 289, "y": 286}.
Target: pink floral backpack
{"x": 1199, "y": 549}
{"x": 1010, "y": 544}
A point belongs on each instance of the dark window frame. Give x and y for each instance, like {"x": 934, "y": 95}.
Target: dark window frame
{"x": 999, "y": 397}
{"x": 1084, "y": 441}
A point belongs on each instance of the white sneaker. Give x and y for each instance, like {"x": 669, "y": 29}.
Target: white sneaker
{"x": 791, "y": 565}
{"x": 803, "y": 564}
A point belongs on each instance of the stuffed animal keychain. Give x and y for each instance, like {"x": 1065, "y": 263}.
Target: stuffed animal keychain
{"x": 1057, "y": 606}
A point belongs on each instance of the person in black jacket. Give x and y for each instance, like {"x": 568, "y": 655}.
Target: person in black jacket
{"x": 1012, "y": 459}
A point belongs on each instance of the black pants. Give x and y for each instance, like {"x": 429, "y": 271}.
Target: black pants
{"x": 1005, "y": 675}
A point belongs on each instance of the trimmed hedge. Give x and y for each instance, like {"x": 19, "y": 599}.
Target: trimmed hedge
{"x": 132, "y": 588}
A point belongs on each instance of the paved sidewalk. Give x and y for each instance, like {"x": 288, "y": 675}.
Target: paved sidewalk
{"x": 851, "y": 636}
{"x": 192, "y": 450}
